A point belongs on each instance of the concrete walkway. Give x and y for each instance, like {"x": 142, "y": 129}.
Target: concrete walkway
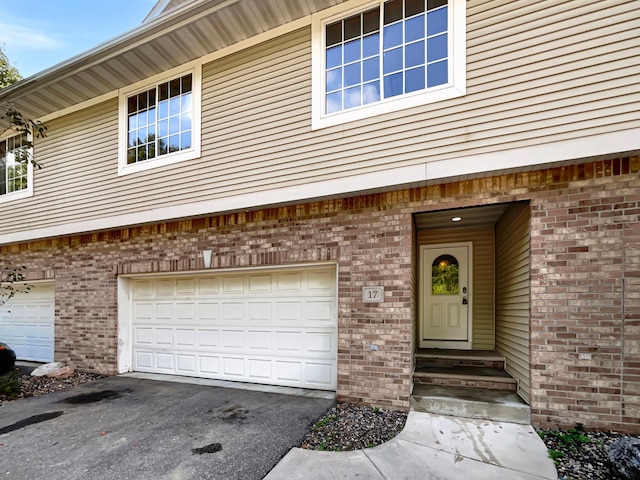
{"x": 432, "y": 447}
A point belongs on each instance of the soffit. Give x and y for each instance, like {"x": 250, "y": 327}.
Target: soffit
{"x": 471, "y": 217}
{"x": 186, "y": 33}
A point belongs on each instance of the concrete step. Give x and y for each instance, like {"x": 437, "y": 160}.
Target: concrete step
{"x": 465, "y": 376}
{"x": 461, "y": 359}
{"x": 481, "y": 403}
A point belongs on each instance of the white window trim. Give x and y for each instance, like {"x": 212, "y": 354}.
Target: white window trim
{"x": 456, "y": 87}
{"x": 195, "y": 68}
{"x": 27, "y": 192}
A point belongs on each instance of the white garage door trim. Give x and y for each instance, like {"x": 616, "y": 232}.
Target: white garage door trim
{"x": 268, "y": 326}
{"x": 27, "y": 323}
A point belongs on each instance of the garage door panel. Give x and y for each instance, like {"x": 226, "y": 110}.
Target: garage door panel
{"x": 144, "y": 360}
{"x": 27, "y": 323}
{"x": 259, "y": 369}
{"x": 288, "y": 311}
{"x": 164, "y": 362}
{"x": 320, "y": 281}
{"x": 186, "y": 337}
{"x": 143, "y": 289}
{"x": 186, "y": 311}
{"x": 259, "y": 340}
{"x": 164, "y": 337}
{"x": 288, "y": 282}
{"x": 208, "y": 286}
{"x": 259, "y": 284}
{"x": 232, "y": 312}
{"x": 233, "y": 285}
{"x": 233, "y": 366}
{"x": 267, "y": 327}
{"x": 259, "y": 311}
{"x": 209, "y": 365}
{"x": 208, "y": 338}
{"x": 165, "y": 288}
{"x": 143, "y": 336}
{"x": 185, "y": 287}
{"x": 164, "y": 312}
{"x": 320, "y": 374}
{"x": 232, "y": 339}
{"x": 289, "y": 371}
{"x": 286, "y": 342}
{"x": 319, "y": 342}
{"x": 186, "y": 363}
{"x": 143, "y": 312}
{"x": 320, "y": 311}
{"x": 208, "y": 311}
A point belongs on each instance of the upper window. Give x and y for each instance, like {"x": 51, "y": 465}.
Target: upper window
{"x": 377, "y": 57}
{"x": 161, "y": 123}
{"x": 15, "y": 169}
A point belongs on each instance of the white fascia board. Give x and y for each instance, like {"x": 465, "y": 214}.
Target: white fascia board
{"x": 537, "y": 156}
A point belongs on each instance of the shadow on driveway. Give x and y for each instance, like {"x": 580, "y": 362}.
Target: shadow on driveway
{"x": 128, "y": 428}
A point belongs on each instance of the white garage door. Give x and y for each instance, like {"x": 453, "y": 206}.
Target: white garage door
{"x": 26, "y": 323}
{"x": 276, "y": 327}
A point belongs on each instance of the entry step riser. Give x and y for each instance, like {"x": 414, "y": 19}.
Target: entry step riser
{"x": 452, "y": 381}
{"x": 468, "y": 409}
{"x": 461, "y": 362}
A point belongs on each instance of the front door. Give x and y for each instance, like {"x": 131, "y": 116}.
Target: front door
{"x": 445, "y": 296}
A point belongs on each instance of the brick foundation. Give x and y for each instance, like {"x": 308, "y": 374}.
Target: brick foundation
{"x": 585, "y": 281}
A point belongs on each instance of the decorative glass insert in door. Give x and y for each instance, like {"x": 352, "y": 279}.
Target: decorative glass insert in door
{"x": 444, "y": 275}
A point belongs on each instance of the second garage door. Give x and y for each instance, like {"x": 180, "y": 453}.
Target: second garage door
{"x": 27, "y": 323}
{"x": 275, "y": 327}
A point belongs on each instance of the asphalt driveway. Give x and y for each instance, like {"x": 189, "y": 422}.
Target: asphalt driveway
{"x": 129, "y": 428}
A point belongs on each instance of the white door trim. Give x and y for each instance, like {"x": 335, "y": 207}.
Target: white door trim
{"x": 457, "y": 344}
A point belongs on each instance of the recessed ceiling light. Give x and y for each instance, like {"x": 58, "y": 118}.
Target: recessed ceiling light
{"x": 456, "y": 219}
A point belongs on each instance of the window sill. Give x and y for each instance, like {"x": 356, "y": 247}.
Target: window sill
{"x": 158, "y": 162}
{"x": 10, "y": 197}
{"x": 440, "y": 94}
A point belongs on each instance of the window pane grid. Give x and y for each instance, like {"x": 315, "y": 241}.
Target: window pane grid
{"x": 159, "y": 120}
{"x": 411, "y": 53}
{"x": 352, "y": 74}
{"x": 14, "y": 164}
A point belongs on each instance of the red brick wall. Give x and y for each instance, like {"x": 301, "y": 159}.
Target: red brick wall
{"x": 585, "y": 272}
{"x": 371, "y": 246}
{"x": 585, "y": 281}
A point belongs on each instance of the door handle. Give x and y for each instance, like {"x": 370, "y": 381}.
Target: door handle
{"x": 464, "y": 301}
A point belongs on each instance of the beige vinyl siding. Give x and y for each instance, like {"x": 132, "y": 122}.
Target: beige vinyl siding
{"x": 483, "y": 276}
{"x": 538, "y": 72}
{"x": 512, "y": 294}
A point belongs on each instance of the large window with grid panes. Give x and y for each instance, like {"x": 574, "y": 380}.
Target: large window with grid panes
{"x": 15, "y": 169}
{"x": 375, "y": 57}
{"x": 160, "y": 123}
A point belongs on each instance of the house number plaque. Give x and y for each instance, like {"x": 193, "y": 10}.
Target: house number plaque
{"x": 372, "y": 294}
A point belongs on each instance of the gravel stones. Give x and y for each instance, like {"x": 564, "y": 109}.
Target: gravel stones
{"x": 34, "y": 386}
{"x": 624, "y": 454}
{"x": 351, "y": 427}
{"x": 585, "y": 458}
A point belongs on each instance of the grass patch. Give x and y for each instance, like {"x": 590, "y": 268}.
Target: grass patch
{"x": 571, "y": 439}
{"x": 323, "y": 422}
{"x": 555, "y": 455}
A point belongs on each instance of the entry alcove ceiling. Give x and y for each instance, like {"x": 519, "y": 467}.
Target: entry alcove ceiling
{"x": 471, "y": 217}
{"x": 179, "y": 35}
